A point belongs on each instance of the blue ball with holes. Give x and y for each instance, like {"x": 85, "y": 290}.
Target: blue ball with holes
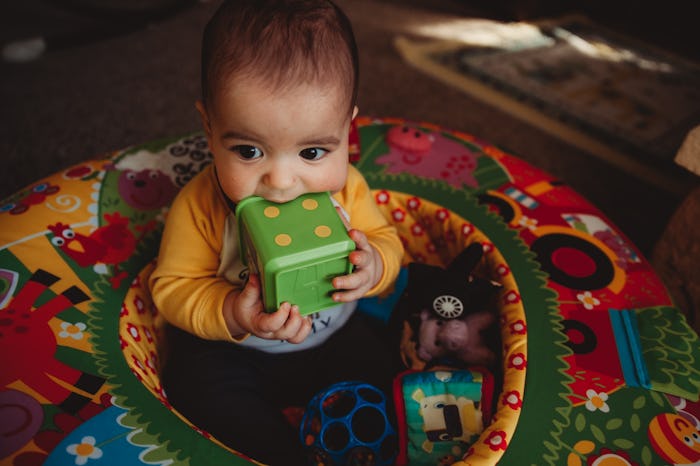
{"x": 347, "y": 424}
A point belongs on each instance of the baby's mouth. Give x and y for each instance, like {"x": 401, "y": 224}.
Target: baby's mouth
{"x": 279, "y": 199}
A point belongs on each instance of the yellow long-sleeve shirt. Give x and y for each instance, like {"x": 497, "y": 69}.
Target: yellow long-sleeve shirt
{"x": 199, "y": 261}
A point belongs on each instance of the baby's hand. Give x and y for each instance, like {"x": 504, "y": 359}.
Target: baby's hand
{"x": 245, "y": 313}
{"x": 368, "y": 270}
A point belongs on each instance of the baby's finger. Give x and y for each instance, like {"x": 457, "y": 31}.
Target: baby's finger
{"x": 251, "y": 292}
{"x": 273, "y": 321}
{"x": 349, "y": 282}
{"x": 303, "y": 332}
{"x": 292, "y": 325}
{"x": 347, "y": 296}
{"x": 359, "y": 258}
{"x": 359, "y": 238}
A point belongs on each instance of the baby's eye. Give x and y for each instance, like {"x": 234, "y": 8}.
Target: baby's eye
{"x": 313, "y": 153}
{"x": 247, "y": 152}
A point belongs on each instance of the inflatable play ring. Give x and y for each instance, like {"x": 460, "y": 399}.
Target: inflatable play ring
{"x": 79, "y": 334}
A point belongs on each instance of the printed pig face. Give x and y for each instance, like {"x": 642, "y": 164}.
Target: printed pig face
{"x": 429, "y": 155}
{"x": 439, "y": 337}
{"x": 411, "y": 142}
{"x": 146, "y": 189}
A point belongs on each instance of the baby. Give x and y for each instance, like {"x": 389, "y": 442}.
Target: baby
{"x": 279, "y": 85}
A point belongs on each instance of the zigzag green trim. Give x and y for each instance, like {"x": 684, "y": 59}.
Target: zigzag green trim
{"x": 158, "y": 430}
{"x": 163, "y": 436}
{"x": 671, "y": 350}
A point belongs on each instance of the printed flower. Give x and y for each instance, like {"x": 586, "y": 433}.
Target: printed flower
{"x": 588, "y": 300}
{"x": 497, "y": 440}
{"x": 413, "y": 203}
{"x": 417, "y": 229}
{"x": 74, "y": 331}
{"x": 162, "y": 396}
{"x": 382, "y": 197}
{"x": 133, "y": 331}
{"x": 527, "y": 222}
{"x": 597, "y": 401}
{"x": 512, "y": 297}
{"x": 137, "y": 363}
{"x": 124, "y": 311}
{"x": 138, "y": 303}
{"x": 85, "y": 450}
{"x": 431, "y": 248}
{"x": 152, "y": 362}
{"x": 122, "y": 342}
{"x": 137, "y": 374}
{"x": 467, "y": 229}
{"x": 442, "y": 214}
{"x": 513, "y": 400}
{"x": 201, "y": 432}
{"x": 398, "y": 215}
{"x": 518, "y": 327}
{"x": 503, "y": 270}
{"x": 517, "y": 361}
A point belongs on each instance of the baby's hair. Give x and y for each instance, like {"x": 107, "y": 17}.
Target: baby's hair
{"x": 279, "y": 43}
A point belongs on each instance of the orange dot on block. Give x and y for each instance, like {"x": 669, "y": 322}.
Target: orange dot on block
{"x": 322, "y": 231}
{"x": 271, "y": 211}
{"x": 309, "y": 204}
{"x": 283, "y": 239}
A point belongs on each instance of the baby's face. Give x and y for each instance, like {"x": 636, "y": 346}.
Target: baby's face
{"x": 279, "y": 144}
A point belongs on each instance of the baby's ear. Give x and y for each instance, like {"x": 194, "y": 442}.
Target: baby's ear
{"x": 204, "y": 115}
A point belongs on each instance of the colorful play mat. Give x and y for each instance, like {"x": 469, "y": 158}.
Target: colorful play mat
{"x": 598, "y": 366}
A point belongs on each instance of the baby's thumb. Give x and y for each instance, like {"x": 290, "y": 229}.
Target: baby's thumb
{"x": 251, "y": 291}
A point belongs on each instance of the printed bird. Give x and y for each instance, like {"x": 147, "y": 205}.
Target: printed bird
{"x": 110, "y": 244}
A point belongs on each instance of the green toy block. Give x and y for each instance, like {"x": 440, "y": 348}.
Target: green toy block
{"x": 296, "y": 248}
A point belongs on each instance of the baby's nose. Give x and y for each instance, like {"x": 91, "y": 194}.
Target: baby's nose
{"x": 279, "y": 177}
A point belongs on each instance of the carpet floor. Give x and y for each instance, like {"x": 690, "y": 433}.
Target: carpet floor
{"x": 109, "y": 81}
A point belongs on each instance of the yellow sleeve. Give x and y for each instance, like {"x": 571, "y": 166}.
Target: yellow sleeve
{"x": 365, "y": 216}
{"x": 184, "y": 284}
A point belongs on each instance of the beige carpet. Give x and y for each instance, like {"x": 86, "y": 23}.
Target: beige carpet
{"x": 615, "y": 97}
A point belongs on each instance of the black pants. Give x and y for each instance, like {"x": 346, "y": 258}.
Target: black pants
{"x": 237, "y": 394}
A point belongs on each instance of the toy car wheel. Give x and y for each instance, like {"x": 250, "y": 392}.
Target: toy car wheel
{"x": 448, "y": 306}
